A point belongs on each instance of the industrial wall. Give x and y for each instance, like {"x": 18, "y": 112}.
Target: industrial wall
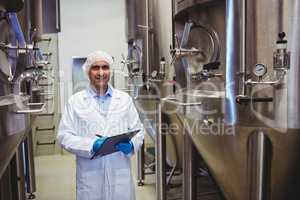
{"x": 87, "y": 26}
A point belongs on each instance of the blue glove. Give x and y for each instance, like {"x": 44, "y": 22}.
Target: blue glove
{"x": 125, "y": 147}
{"x": 98, "y": 143}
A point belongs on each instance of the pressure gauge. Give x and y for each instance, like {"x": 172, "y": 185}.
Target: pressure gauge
{"x": 154, "y": 74}
{"x": 260, "y": 70}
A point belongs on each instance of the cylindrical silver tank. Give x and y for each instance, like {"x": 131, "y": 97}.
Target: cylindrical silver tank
{"x": 14, "y": 124}
{"x": 251, "y": 148}
{"x": 150, "y": 26}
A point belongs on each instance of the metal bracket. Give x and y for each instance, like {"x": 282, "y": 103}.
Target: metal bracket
{"x": 45, "y": 143}
{"x": 45, "y": 40}
{"x": 45, "y": 129}
{"x": 46, "y": 114}
{"x": 45, "y": 85}
{"x": 28, "y": 47}
{"x": 241, "y": 99}
{"x": 179, "y": 103}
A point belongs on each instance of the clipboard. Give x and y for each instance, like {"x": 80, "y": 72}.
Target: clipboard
{"x": 108, "y": 147}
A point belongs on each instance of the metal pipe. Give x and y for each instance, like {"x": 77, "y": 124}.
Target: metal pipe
{"x": 23, "y": 77}
{"x": 57, "y": 21}
{"x": 232, "y": 59}
{"x": 20, "y": 173}
{"x": 260, "y": 151}
{"x": 260, "y": 155}
{"x": 179, "y": 52}
{"x": 140, "y": 165}
{"x": 30, "y": 168}
{"x": 293, "y": 101}
{"x": 160, "y": 161}
{"x": 186, "y": 33}
{"x": 37, "y": 108}
{"x": 250, "y": 82}
{"x": 13, "y": 20}
{"x": 281, "y": 75}
{"x": 189, "y": 180}
{"x": 37, "y": 21}
{"x": 147, "y": 40}
{"x": 179, "y": 103}
{"x": 243, "y": 69}
{"x": 24, "y": 48}
{"x": 131, "y": 19}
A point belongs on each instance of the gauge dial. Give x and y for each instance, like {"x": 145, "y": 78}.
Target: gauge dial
{"x": 260, "y": 70}
{"x": 154, "y": 74}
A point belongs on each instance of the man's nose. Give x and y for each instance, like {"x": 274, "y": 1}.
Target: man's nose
{"x": 100, "y": 72}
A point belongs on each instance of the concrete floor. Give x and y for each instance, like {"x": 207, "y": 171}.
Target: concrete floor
{"x": 55, "y": 177}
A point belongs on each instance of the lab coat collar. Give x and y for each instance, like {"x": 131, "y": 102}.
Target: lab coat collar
{"x": 90, "y": 92}
{"x": 93, "y": 93}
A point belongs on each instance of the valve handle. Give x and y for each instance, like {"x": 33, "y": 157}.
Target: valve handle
{"x": 281, "y": 35}
{"x": 212, "y": 66}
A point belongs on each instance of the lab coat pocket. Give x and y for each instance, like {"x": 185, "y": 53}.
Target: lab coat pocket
{"x": 91, "y": 181}
{"x": 123, "y": 177}
{"x": 123, "y": 188}
{"x": 89, "y": 187}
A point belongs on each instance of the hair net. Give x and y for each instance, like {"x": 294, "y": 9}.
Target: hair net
{"x": 94, "y": 57}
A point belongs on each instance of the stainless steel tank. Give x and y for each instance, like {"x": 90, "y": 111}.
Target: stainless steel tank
{"x": 15, "y": 34}
{"x": 150, "y": 28}
{"x": 247, "y": 125}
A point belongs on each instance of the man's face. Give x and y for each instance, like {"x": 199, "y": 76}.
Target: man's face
{"x": 99, "y": 75}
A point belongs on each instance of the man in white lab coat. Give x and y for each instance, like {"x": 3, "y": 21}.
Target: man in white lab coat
{"x": 100, "y": 109}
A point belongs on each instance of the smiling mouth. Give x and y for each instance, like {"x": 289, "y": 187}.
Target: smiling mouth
{"x": 99, "y": 78}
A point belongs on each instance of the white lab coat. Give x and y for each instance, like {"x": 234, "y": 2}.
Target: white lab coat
{"x": 108, "y": 177}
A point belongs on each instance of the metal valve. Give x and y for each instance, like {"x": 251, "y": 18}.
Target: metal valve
{"x": 180, "y": 52}
{"x": 158, "y": 76}
{"x": 127, "y": 61}
{"x": 162, "y": 68}
{"x": 281, "y": 63}
{"x": 134, "y": 59}
{"x": 281, "y": 57}
{"x": 207, "y": 72}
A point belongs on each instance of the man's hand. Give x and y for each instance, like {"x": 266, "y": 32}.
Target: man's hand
{"x": 98, "y": 143}
{"x": 125, "y": 147}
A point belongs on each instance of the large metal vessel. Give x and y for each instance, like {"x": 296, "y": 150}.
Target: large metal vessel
{"x": 149, "y": 33}
{"x": 18, "y": 76}
{"x": 247, "y": 133}
{"x": 236, "y": 87}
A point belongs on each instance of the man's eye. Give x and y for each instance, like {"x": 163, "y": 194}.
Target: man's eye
{"x": 105, "y": 67}
{"x": 95, "y": 67}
